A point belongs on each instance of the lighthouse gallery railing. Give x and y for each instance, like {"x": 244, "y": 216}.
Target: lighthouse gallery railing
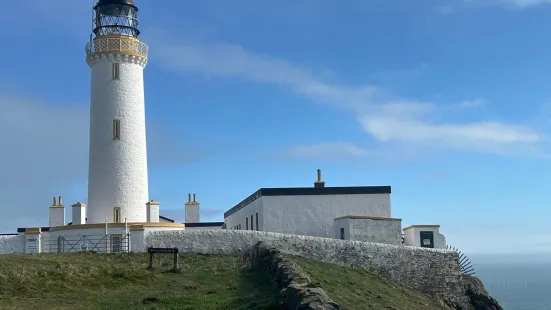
{"x": 116, "y": 44}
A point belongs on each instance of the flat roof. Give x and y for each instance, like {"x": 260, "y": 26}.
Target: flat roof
{"x": 422, "y": 226}
{"x": 308, "y": 191}
{"x": 19, "y": 230}
{"x": 205, "y": 224}
{"x": 360, "y": 217}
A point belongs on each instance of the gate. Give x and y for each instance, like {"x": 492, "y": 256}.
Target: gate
{"x": 112, "y": 243}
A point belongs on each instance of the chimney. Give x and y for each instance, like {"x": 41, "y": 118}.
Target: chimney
{"x": 60, "y": 201}
{"x": 192, "y": 210}
{"x": 189, "y": 197}
{"x": 56, "y": 214}
{"x": 319, "y": 183}
{"x": 79, "y": 213}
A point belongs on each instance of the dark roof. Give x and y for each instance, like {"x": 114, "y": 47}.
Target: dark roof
{"x": 308, "y": 191}
{"x": 205, "y": 224}
{"x": 41, "y": 228}
{"x": 166, "y": 218}
{"x": 124, "y": 2}
{"x": 8, "y": 234}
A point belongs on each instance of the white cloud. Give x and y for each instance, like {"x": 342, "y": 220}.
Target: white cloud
{"x": 471, "y": 104}
{"x": 328, "y": 150}
{"x": 523, "y": 3}
{"x": 380, "y": 114}
{"x": 233, "y": 61}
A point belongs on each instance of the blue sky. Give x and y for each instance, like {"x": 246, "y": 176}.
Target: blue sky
{"x": 446, "y": 101}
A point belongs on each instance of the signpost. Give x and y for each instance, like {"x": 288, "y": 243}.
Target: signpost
{"x": 152, "y": 251}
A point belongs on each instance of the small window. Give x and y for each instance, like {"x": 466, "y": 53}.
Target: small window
{"x": 257, "y": 221}
{"x": 252, "y": 226}
{"x": 116, "y": 215}
{"x": 116, "y": 71}
{"x": 116, "y": 130}
{"x": 247, "y": 223}
{"x": 342, "y": 233}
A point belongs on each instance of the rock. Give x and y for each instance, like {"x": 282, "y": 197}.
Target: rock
{"x": 150, "y": 300}
{"x": 297, "y": 290}
{"x": 479, "y": 298}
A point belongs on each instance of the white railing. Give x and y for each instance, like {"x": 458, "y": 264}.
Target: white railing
{"x": 118, "y": 44}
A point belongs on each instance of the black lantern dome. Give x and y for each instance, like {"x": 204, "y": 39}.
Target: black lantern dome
{"x": 116, "y": 17}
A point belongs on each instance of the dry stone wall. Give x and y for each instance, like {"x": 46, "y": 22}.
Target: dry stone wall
{"x": 427, "y": 270}
{"x": 297, "y": 290}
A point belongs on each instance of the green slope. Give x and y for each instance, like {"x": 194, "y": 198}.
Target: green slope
{"x": 99, "y": 281}
{"x": 361, "y": 290}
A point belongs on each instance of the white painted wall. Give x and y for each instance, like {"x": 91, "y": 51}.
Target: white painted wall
{"x": 152, "y": 213}
{"x": 56, "y": 216}
{"x": 79, "y": 214}
{"x": 376, "y": 230}
{"x": 117, "y": 174}
{"x": 409, "y": 238}
{"x": 246, "y": 212}
{"x": 313, "y": 215}
{"x": 12, "y": 244}
{"x": 343, "y": 223}
{"x": 192, "y": 213}
{"x": 44, "y": 238}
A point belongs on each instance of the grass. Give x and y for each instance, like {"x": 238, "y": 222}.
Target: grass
{"x": 122, "y": 281}
{"x": 359, "y": 289}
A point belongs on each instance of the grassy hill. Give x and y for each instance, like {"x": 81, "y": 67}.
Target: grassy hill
{"x": 99, "y": 281}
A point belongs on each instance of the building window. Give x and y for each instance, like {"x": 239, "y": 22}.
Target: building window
{"x": 247, "y": 223}
{"x": 256, "y": 221}
{"x": 116, "y": 71}
{"x": 116, "y": 129}
{"x": 239, "y": 227}
{"x": 116, "y": 243}
{"x": 342, "y": 233}
{"x": 252, "y": 226}
{"x": 116, "y": 215}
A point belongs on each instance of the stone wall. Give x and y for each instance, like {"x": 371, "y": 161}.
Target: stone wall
{"x": 427, "y": 270}
{"x": 297, "y": 290}
{"x": 11, "y": 244}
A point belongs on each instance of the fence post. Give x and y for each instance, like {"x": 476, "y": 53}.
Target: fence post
{"x": 150, "y": 259}
{"x": 175, "y": 259}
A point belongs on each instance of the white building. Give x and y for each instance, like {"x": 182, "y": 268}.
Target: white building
{"x": 117, "y": 175}
{"x": 361, "y": 213}
{"x": 310, "y": 211}
{"x": 426, "y": 236}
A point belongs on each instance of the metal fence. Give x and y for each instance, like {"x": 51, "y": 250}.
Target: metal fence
{"x": 92, "y": 243}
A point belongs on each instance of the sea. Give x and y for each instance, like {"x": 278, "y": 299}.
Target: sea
{"x": 517, "y": 285}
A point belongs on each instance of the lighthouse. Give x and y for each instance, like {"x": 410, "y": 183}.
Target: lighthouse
{"x": 117, "y": 176}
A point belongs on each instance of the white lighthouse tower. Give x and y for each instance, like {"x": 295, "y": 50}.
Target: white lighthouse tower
{"x": 117, "y": 177}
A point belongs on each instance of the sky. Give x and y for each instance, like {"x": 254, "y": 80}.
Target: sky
{"x": 447, "y": 101}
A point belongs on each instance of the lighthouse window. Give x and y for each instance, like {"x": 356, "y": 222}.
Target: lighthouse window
{"x": 116, "y": 71}
{"x": 116, "y": 215}
{"x": 116, "y": 129}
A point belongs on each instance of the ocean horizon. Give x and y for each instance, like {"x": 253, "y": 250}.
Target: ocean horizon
{"x": 518, "y": 285}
